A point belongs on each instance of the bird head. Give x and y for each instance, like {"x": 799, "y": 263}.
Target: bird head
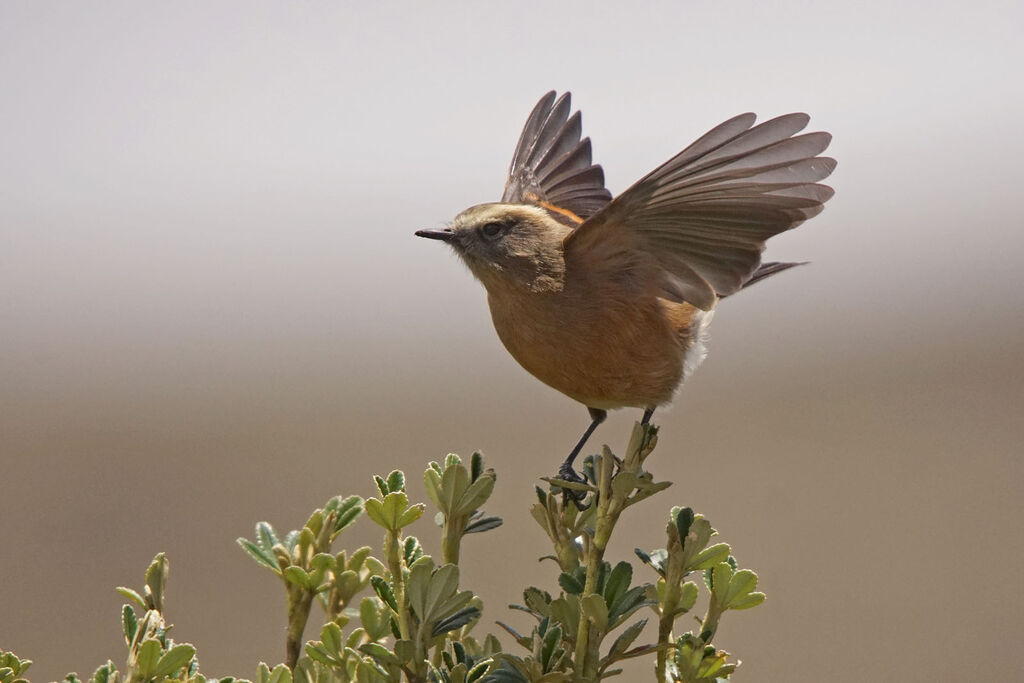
{"x": 507, "y": 245}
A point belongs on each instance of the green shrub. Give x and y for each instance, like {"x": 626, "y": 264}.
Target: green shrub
{"x": 405, "y": 616}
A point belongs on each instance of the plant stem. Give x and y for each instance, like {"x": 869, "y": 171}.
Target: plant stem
{"x": 451, "y": 543}
{"x": 665, "y": 623}
{"x": 300, "y": 602}
{"x": 710, "y": 622}
{"x": 585, "y": 664}
{"x": 416, "y": 672}
{"x": 673, "y": 594}
{"x": 451, "y": 539}
{"x": 393, "y": 553}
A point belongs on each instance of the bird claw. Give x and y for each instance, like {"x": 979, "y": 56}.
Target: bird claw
{"x": 567, "y": 473}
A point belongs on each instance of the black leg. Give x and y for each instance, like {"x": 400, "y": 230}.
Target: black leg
{"x": 646, "y": 419}
{"x": 565, "y": 471}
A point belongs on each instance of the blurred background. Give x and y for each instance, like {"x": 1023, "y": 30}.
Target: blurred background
{"x": 213, "y": 311}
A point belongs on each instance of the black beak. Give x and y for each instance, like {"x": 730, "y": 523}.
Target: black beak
{"x": 445, "y": 235}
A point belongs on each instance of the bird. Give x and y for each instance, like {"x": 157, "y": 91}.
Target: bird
{"x": 608, "y": 300}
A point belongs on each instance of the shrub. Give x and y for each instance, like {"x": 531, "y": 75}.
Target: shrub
{"x": 405, "y": 616}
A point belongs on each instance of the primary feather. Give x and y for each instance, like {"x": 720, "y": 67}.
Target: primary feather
{"x": 704, "y": 214}
{"x": 552, "y": 165}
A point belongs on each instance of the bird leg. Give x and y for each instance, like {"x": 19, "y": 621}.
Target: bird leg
{"x": 646, "y": 419}
{"x": 566, "y": 471}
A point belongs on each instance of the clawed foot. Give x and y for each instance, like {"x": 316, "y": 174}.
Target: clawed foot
{"x": 567, "y": 473}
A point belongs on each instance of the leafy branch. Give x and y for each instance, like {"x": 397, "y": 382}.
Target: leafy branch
{"x": 407, "y": 616}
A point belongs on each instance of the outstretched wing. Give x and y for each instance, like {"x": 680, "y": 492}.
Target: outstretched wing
{"x": 551, "y": 165}
{"x": 704, "y": 215}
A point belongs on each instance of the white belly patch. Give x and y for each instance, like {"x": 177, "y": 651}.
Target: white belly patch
{"x": 698, "y": 349}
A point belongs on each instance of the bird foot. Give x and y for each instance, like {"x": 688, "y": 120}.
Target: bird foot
{"x": 567, "y": 473}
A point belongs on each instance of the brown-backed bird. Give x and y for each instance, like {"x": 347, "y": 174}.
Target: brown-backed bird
{"x": 608, "y": 300}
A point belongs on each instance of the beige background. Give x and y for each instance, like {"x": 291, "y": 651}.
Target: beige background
{"x": 213, "y": 311}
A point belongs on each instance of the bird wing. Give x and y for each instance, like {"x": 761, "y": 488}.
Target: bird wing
{"x": 551, "y": 165}
{"x": 704, "y": 215}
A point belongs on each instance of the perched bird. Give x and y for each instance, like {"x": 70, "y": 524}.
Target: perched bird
{"x": 608, "y": 300}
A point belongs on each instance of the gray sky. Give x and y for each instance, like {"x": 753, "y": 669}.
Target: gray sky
{"x": 208, "y": 281}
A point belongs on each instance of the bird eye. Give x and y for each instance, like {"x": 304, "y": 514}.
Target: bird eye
{"x": 492, "y": 229}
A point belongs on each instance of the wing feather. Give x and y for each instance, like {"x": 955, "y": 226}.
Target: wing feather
{"x": 705, "y": 214}
{"x": 552, "y": 165}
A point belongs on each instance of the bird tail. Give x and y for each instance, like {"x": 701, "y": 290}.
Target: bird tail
{"x": 769, "y": 269}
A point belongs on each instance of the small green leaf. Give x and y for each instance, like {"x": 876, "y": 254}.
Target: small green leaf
{"x": 570, "y": 584}
{"x": 132, "y": 595}
{"x": 373, "y": 618}
{"x": 319, "y": 571}
{"x": 375, "y": 511}
{"x": 262, "y": 557}
{"x": 481, "y": 524}
{"x": 355, "y": 638}
{"x": 330, "y": 636}
{"x": 566, "y": 612}
{"x": 156, "y": 580}
{"x": 739, "y": 594}
{"x": 411, "y": 515}
{"x": 687, "y": 597}
{"x": 358, "y": 558}
{"x": 519, "y": 638}
{"x": 709, "y": 557}
{"x": 405, "y": 650}
{"x": 747, "y": 601}
{"x": 478, "y": 671}
{"x": 475, "y": 495}
{"x": 741, "y": 583}
{"x": 298, "y": 576}
{"x": 315, "y": 523}
{"x": 384, "y": 592}
{"x": 347, "y": 582}
{"x": 456, "y": 620}
{"x": 566, "y": 484}
{"x": 721, "y": 574}
{"x": 624, "y": 482}
{"x": 348, "y": 512}
{"x": 396, "y": 481}
{"x": 280, "y": 674}
{"x": 538, "y": 601}
{"x": 432, "y": 482}
{"x": 174, "y": 659}
{"x": 318, "y": 654}
{"x": 540, "y": 513}
{"x": 656, "y": 559}
{"x": 265, "y": 536}
{"x": 595, "y": 610}
{"x": 149, "y": 655}
{"x": 107, "y": 673}
{"x": 684, "y": 519}
{"x": 444, "y": 582}
{"x": 454, "y": 482}
{"x": 629, "y": 602}
{"x": 380, "y": 653}
{"x": 617, "y": 582}
{"x": 304, "y": 547}
{"x": 129, "y": 623}
{"x": 394, "y": 511}
{"x": 625, "y": 639}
